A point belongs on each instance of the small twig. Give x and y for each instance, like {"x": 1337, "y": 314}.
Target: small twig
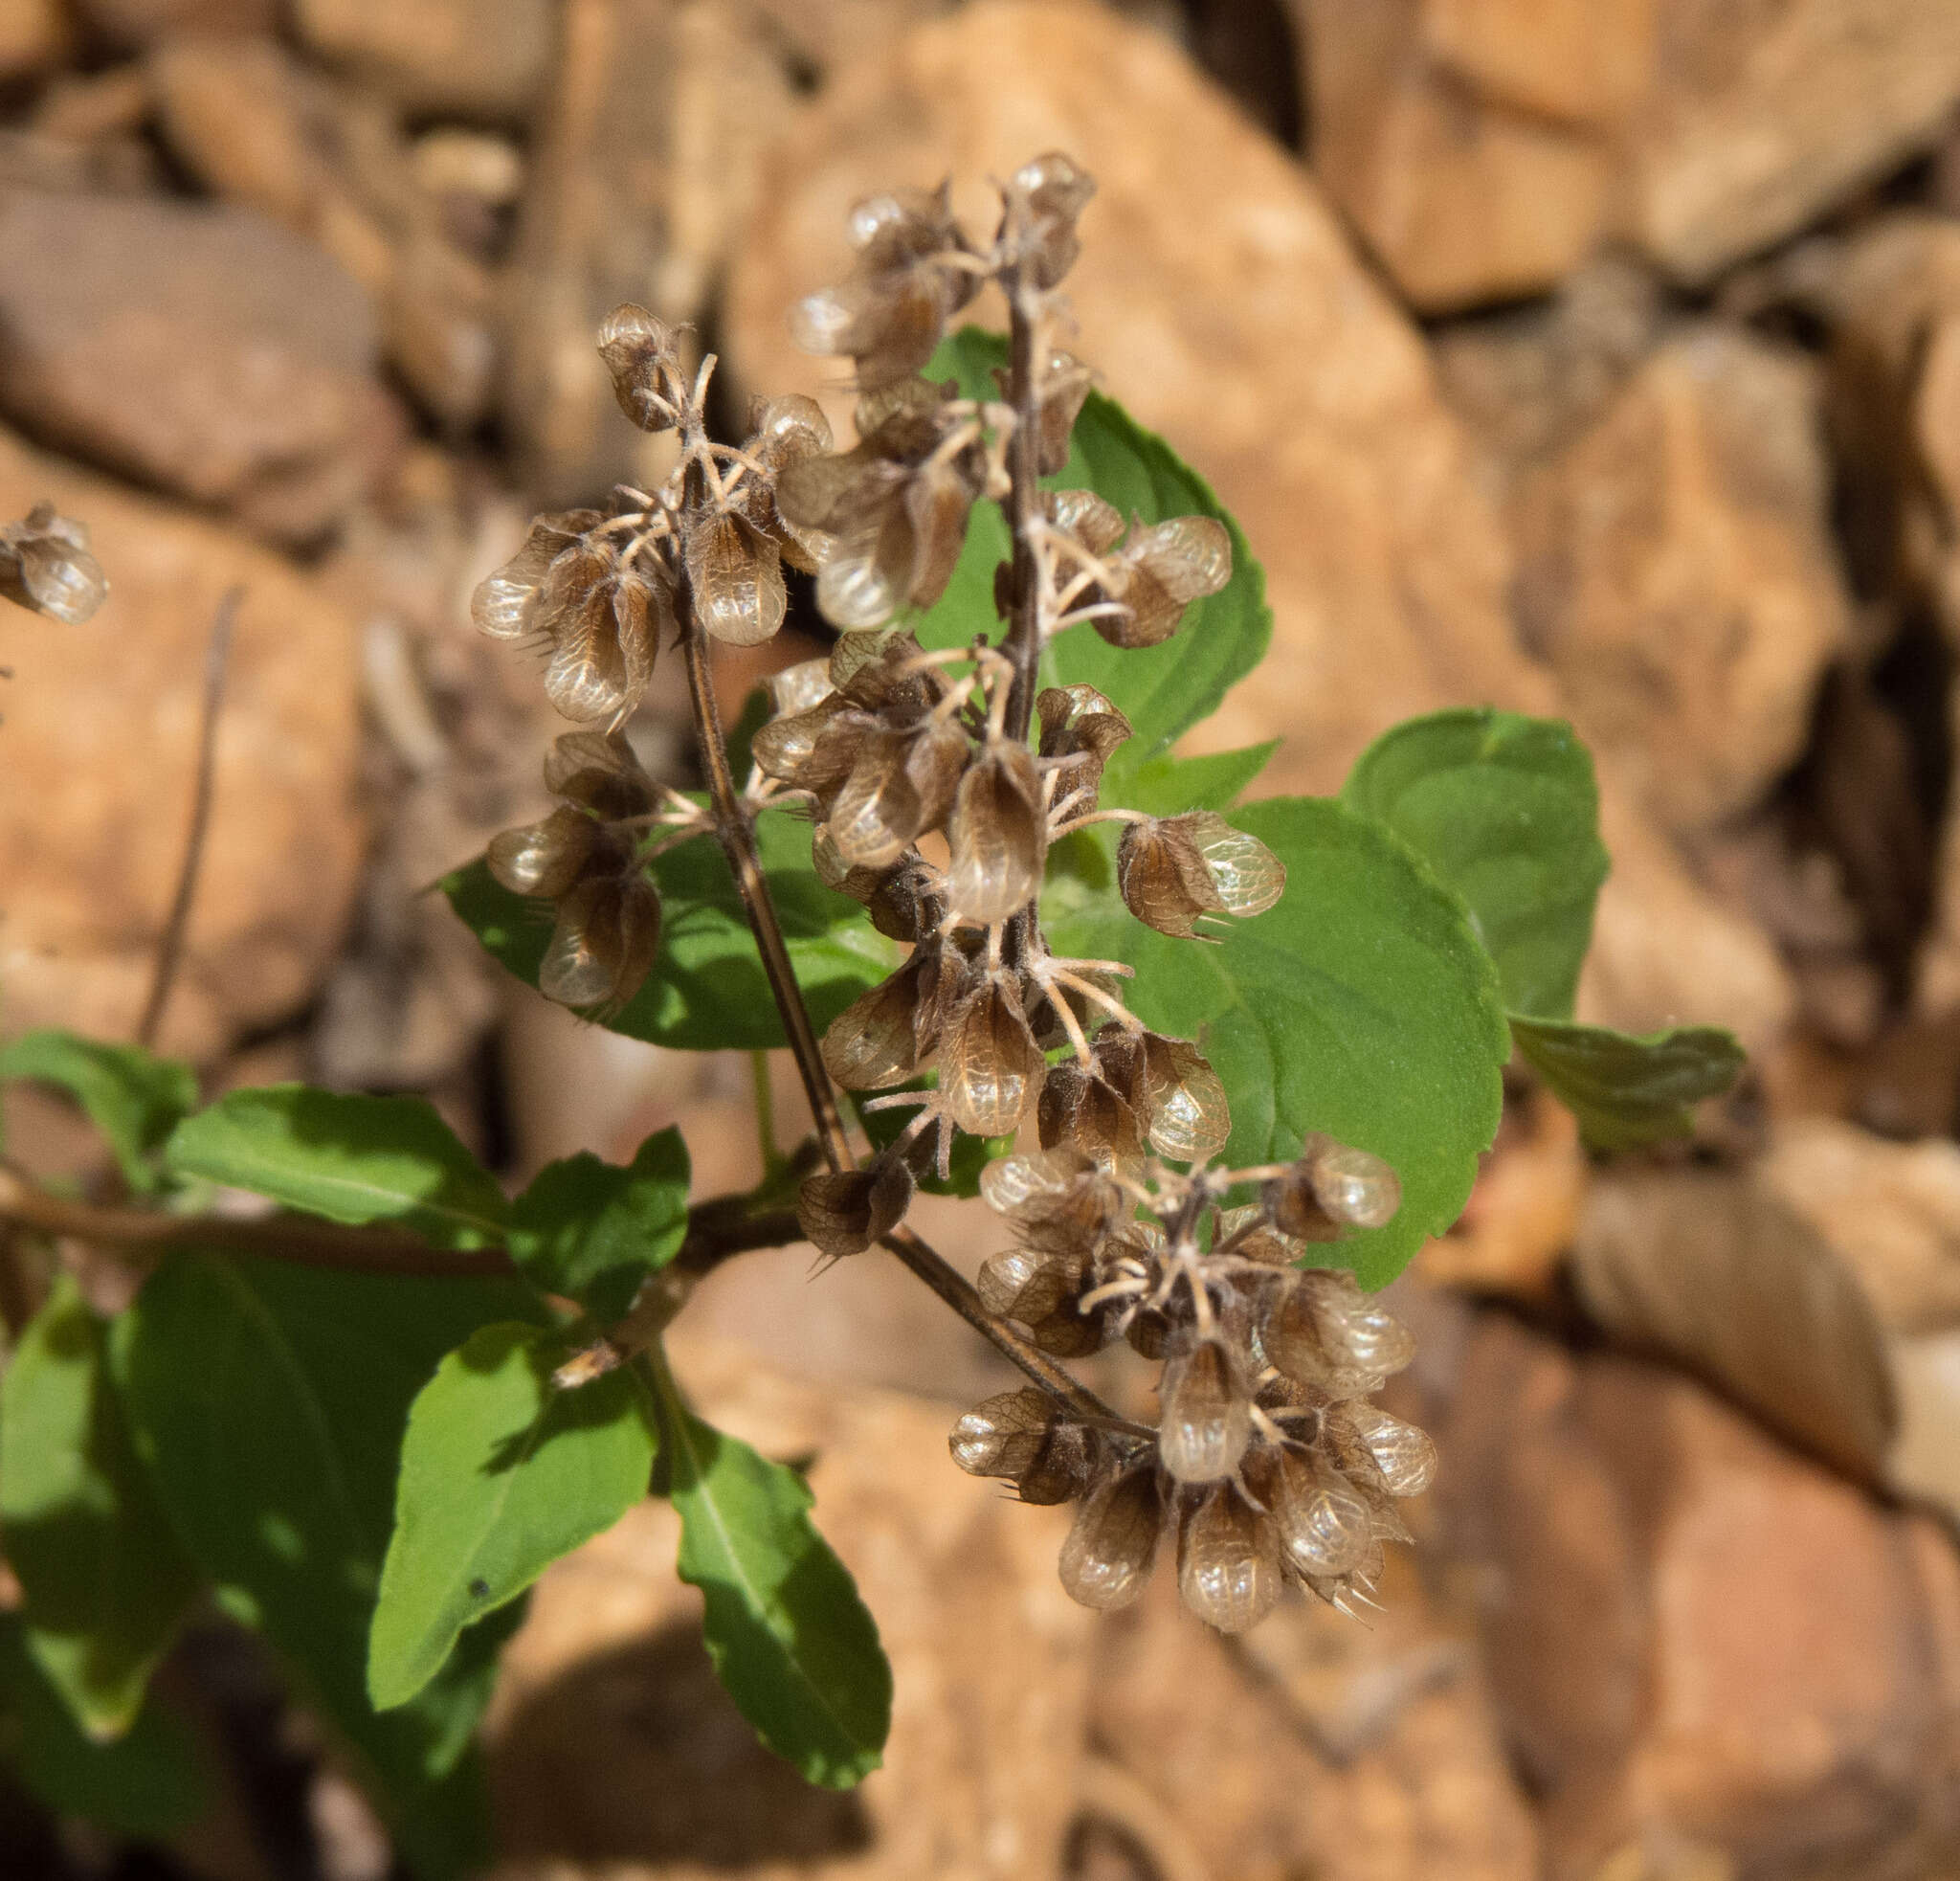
{"x": 170, "y": 947}
{"x": 1023, "y": 645}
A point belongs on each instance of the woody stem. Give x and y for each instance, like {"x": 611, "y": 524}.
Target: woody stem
{"x": 1023, "y": 645}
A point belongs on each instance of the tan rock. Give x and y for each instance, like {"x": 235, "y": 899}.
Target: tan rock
{"x": 1676, "y": 569}
{"x": 34, "y": 34}
{"x": 1583, "y": 62}
{"x": 99, "y": 740}
{"x": 485, "y": 58}
{"x": 1463, "y": 198}
{"x": 133, "y": 24}
{"x": 1782, "y": 1688}
{"x": 201, "y": 348}
{"x": 613, "y": 1752}
{"x": 1759, "y": 118}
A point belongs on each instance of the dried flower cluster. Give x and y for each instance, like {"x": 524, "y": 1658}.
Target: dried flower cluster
{"x": 1268, "y": 1461}
{"x": 937, "y": 781}
{"x": 45, "y": 566}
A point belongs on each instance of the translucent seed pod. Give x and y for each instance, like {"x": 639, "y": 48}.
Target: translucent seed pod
{"x": 1079, "y": 721}
{"x": 1332, "y": 1186}
{"x": 1064, "y": 390}
{"x": 1096, "y": 524}
{"x": 604, "y": 943}
{"x": 1106, "y": 1560}
{"x": 783, "y": 431}
{"x": 877, "y": 672}
{"x": 1051, "y": 192}
{"x": 1248, "y": 877}
{"x": 813, "y": 751}
{"x": 1254, "y": 1238}
{"x": 1162, "y": 878}
{"x": 504, "y": 602}
{"x": 938, "y": 498}
{"x": 1405, "y": 1454}
{"x": 1179, "y": 1100}
{"x": 1228, "y": 1567}
{"x": 1324, "y": 1526}
{"x": 800, "y": 687}
{"x": 54, "y": 577}
{"x": 900, "y": 785}
{"x": 1024, "y": 1436}
{"x": 735, "y": 574}
{"x": 639, "y": 354}
{"x": 1059, "y": 1201}
{"x": 600, "y": 771}
{"x": 989, "y": 1066}
{"x": 1084, "y": 1112}
{"x": 544, "y": 859}
{"x": 874, "y": 1042}
{"x": 1025, "y": 1284}
{"x": 844, "y": 1211}
{"x": 998, "y": 835}
{"x": 1207, "y": 1415}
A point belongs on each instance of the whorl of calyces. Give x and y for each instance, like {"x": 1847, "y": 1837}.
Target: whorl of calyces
{"x": 46, "y": 567}
{"x": 1269, "y": 1464}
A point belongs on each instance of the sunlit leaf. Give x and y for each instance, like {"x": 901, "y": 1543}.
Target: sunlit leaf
{"x": 1626, "y": 1091}
{"x": 593, "y": 1230}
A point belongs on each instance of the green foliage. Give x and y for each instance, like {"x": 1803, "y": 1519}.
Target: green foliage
{"x": 133, "y": 1098}
{"x": 268, "y": 1402}
{"x": 149, "y": 1782}
{"x": 501, "y": 1474}
{"x": 789, "y": 1636}
{"x": 106, "y": 1585}
{"x": 706, "y": 991}
{"x": 1362, "y": 1006}
{"x": 353, "y": 1159}
{"x": 594, "y": 1231}
{"x": 1504, "y": 810}
{"x": 1164, "y": 690}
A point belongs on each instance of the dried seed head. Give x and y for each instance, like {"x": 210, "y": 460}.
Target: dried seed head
{"x": 1325, "y": 1529}
{"x": 1040, "y": 1290}
{"x": 640, "y": 354}
{"x": 1086, "y": 1113}
{"x": 815, "y": 750}
{"x": 1178, "y": 1099}
{"x": 1064, "y": 389}
{"x": 1228, "y": 1567}
{"x": 900, "y": 785}
{"x": 1207, "y": 1415}
{"x": 736, "y": 576}
{"x": 801, "y": 688}
{"x": 989, "y": 1066}
{"x": 45, "y": 566}
{"x": 844, "y": 1211}
{"x": 883, "y": 672}
{"x": 1077, "y": 721}
{"x": 1319, "y": 1327}
{"x": 505, "y": 604}
{"x": 604, "y": 617}
{"x": 1248, "y": 877}
{"x": 604, "y": 943}
{"x": 1096, "y": 524}
{"x": 1404, "y": 1454}
{"x": 1162, "y": 878}
{"x": 546, "y": 858}
{"x": 600, "y": 771}
{"x": 1057, "y": 1201}
{"x": 874, "y": 1042}
{"x": 1024, "y": 1436}
{"x": 998, "y": 836}
{"x": 1109, "y": 1551}
{"x": 1331, "y": 1187}
{"x": 1159, "y": 571}
{"x": 1045, "y": 197}
{"x": 783, "y": 431}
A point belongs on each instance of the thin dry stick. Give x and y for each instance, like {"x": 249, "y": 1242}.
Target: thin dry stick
{"x": 170, "y": 948}
{"x": 1024, "y": 586}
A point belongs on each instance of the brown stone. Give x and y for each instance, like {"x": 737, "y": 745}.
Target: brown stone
{"x": 100, "y": 738}
{"x": 1465, "y": 198}
{"x": 1580, "y": 62}
{"x": 201, "y": 348}
{"x": 613, "y": 1752}
{"x": 1696, "y": 1636}
{"x": 34, "y": 34}
{"x": 1677, "y": 570}
{"x": 483, "y": 57}
{"x": 133, "y": 24}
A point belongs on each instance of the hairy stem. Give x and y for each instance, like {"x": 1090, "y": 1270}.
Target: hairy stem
{"x": 1023, "y": 644}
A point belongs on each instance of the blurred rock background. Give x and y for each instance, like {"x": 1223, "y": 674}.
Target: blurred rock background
{"x": 1591, "y": 357}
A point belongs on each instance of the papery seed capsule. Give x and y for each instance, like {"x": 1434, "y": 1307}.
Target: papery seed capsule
{"x": 1253, "y": 1238}
{"x": 1080, "y": 1111}
{"x": 1107, "y": 1557}
{"x": 1064, "y": 390}
{"x": 1178, "y": 1098}
{"x": 1052, "y": 191}
{"x": 1249, "y": 878}
{"x": 881, "y": 672}
{"x": 1024, "y": 1436}
{"x": 786, "y": 431}
{"x": 1332, "y": 1186}
{"x": 844, "y": 1211}
{"x": 1404, "y": 1454}
{"x": 1160, "y": 570}
{"x": 901, "y": 784}
{"x": 1207, "y": 1415}
{"x": 1163, "y": 879}
{"x": 938, "y": 500}
{"x": 503, "y": 603}
{"x": 544, "y": 859}
{"x": 1078, "y": 720}
{"x": 54, "y": 577}
{"x": 604, "y": 943}
{"x": 874, "y": 1042}
{"x": 813, "y": 751}
{"x": 1024, "y": 1284}
{"x": 736, "y": 576}
{"x": 1096, "y": 524}
{"x": 639, "y": 354}
{"x": 990, "y": 1068}
{"x": 1325, "y": 1528}
{"x": 998, "y": 836}
{"x": 599, "y": 614}
{"x": 1228, "y": 1567}
{"x": 1059, "y": 1200}
{"x": 602, "y": 771}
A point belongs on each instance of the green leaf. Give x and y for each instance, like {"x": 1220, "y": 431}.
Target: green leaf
{"x": 350, "y": 1158}
{"x": 1504, "y": 810}
{"x": 501, "y": 1474}
{"x": 149, "y": 1782}
{"x": 133, "y": 1098}
{"x": 1362, "y": 1005}
{"x": 1164, "y": 690}
{"x": 706, "y": 991}
{"x": 106, "y": 1585}
{"x": 788, "y": 1634}
{"x": 268, "y": 1402}
{"x": 1170, "y": 786}
{"x": 594, "y": 1231}
{"x": 1625, "y": 1091}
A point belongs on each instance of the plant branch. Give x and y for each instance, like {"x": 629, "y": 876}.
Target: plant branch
{"x": 1023, "y": 644}
{"x": 170, "y": 948}
{"x": 717, "y": 1229}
